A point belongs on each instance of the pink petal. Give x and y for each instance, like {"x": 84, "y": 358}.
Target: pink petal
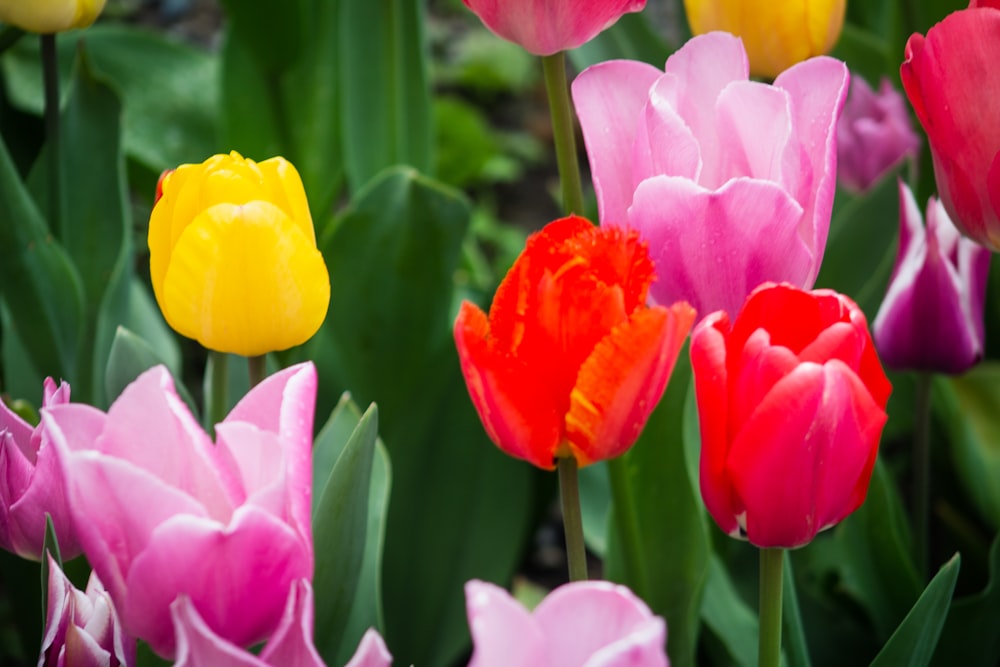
{"x": 15, "y": 476}
{"x": 292, "y": 642}
{"x": 712, "y": 249}
{"x": 261, "y": 465}
{"x": 371, "y": 652}
{"x": 504, "y": 634}
{"x": 755, "y": 133}
{"x": 609, "y": 98}
{"x": 664, "y": 144}
{"x": 198, "y": 646}
{"x": 238, "y": 576}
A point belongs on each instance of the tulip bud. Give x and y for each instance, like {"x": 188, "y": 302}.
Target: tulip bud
{"x": 48, "y": 16}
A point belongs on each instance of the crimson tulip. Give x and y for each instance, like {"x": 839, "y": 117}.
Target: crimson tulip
{"x": 570, "y": 360}
{"x": 544, "y": 28}
{"x": 952, "y": 80}
{"x": 791, "y": 400}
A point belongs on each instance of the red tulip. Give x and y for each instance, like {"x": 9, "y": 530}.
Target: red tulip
{"x": 571, "y": 361}
{"x": 953, "y": 83}
{"x": 544, "y": 28}
{"x": 791, "y": 400}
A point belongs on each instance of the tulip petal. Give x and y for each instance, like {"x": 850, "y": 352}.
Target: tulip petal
{"x": 217, "y": 566}
{"x": 753, "y": 122}
{"x": 504, "y": 634}
{"x": 284, "y": 185}
{"x": 664, "y": 144}
{"x": 245, "y": 279}
{"x": 608, "y": 98}
{"x": 292, "y": 642}
{"x": 198, "y": 646}
{"x": 622, "y": 381}
{"x": 519, "y": 414}
{"x": 371, "y": 652}
{"x": 595, "y": 623}
{"x": 714, "y": 248}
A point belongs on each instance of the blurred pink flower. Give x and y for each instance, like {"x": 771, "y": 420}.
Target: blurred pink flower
{"x": 31, "y": 484}
{"x": 162, "y": 512}
{"x": 291, "y": 645}
{"x": 730, "y": 181}
{"x": 874, "y": 133}
{"x": 581, "y": 624}
{"x": 544, "y": 28}
{"x": 932, "y": 316}
{"x": 82, "y": 628}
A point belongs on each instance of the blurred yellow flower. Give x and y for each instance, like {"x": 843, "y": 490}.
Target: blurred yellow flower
{"x": 48, "y": 16}
{"x": 233, "y": 258}
{"x": 776, "y": 33}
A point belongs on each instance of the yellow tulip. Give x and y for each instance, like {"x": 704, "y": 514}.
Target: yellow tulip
{"x": 233, "y": 258}
{"x": 776, "y": 33}
{"x": 48, "y": 16}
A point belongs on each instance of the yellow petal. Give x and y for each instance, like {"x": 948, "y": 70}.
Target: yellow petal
{"x": 246, "y": 280}
{"x": 287, "y": 192}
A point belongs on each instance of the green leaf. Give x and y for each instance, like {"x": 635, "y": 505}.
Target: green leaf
{"x": 914, "y": 640}
{"x": 666, "y": 561}
{"x": 728, "y": 616}
{"x": 876, "y": 555}
{"x": 460, "y": 509}
{"x": 385, "y": 94}
{"x": 969, "y": 637}
{"x": 50, "y": 545}
{"x": 795, "y": 636}
{"x": 129, "y": 357}
{"x": 273, "y": 37}
{"x": 968, "y": 405}
{"x": 340, "y": 523}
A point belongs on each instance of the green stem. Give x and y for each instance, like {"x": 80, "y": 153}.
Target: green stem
{"x": 218, "y": 398}
{"x": 257, "y": 367}
{"x": 770, "y": 607}
{"x": 569, "y": 494}
{"x": 922, "y": 472}
{"x": 626, "y": 523}
{"x": 50, "y": 78}
{"x": 564, "y": 135}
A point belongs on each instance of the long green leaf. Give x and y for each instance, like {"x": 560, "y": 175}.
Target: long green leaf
{"x": 970, "y": 636}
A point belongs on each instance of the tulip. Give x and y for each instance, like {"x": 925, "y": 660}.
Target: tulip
{"x": 82, "y": 628}
{"x": 291, "y": 645}
{"x": 777, "y": 34}
{"x": 162, "y": 512}
{"x": 951, "y": 79}
{"x": 791, "y": 400}
{"x": 731, "y": 181}
{"x": 585, "y": 624}
{"x": 233, "y": 258}
{"x": 31, "y": 484}
{"x": 544, "y": 28}
{"x": 874, "y": 133}
{"x": 932, "y": 315}
{"x": 570, "y": 361}
{"x": 48, "y": 16}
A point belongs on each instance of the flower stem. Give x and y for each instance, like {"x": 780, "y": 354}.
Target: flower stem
{"x": 569, "y": 495}
{"x": 626, "y": 523}
{"x": 218, "y": 398}
{"x": 258, "y": 369}
{"x": 771, "y": 561}
{"x": 50, "y": 78}
{"x": 561, "y": 109}
{"x": 922, "y": 472}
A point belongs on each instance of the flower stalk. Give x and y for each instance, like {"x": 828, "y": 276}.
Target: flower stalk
{"x": 569, "y": 495}
{"x": 771, "y": 561}
{"x": 561, "y": 109}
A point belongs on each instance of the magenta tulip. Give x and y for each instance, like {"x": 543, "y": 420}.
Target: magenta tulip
{"x": 932, "y": 315}
{"x": 162, "y": 512}
{"x": 731, "y": 181}
{"x": 82, "y": 628}
{"x": 31, "y": 484}
{"x": 953, "y": 82}
{"x": 544, "y": 28}
{"x": 583, "y": 624}
{"x": 873, "y": 135}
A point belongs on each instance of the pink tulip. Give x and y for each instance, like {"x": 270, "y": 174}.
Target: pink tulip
{"x": 932, "y": 315}
{"x": 582, "y": 624}
{"x": 162, "y": 512}
{"x": 953, "y": 82}
{"x": 544, "y": 28}
{"x": 31, "y": 484}
{"x": 730, "y": 181}
{"x": 874, "y": 133}
{"x": 291, "y": 645}
{"x": 82, "y": 628}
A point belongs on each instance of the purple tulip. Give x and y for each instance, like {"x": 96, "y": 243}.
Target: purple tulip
{"x": 874, "y": 133}
{"x": 730, "y": 181}
{"x": 163, "y": 512}
{"x": 581, "y": 624}
{"x": 82, "y": 628}
{"x": 932, "y": 315}
{"x": 31, "y": 484}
